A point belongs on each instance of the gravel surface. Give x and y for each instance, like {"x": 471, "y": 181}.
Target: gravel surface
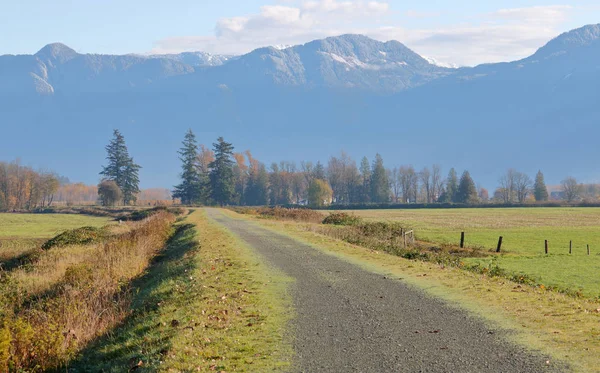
{"x": 352, "y": 320}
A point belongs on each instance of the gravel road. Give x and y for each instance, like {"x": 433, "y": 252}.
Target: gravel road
{"x": 352, "y": 320}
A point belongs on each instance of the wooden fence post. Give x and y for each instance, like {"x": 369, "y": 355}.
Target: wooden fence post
{"x": 570, "y": 247}
{"x": 546, "y": 246}
{"x": 462, "y": 240}
{"x": 499, "y": 244}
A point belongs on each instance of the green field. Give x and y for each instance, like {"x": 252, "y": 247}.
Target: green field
{"x": 43, "y": 225}
{"x": 524, "y": 231}
{"x": 20, "y": 233}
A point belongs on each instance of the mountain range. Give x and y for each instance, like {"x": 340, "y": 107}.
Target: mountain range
{"x": 308, "y": 102}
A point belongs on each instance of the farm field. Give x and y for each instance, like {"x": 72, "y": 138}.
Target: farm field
{"x": 20, "y": 233}
{"x": 524, "y": 231}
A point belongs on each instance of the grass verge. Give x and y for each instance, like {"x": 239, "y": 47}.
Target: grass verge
{"x": 566, "y": 328}
{"x": 206, "y": 304}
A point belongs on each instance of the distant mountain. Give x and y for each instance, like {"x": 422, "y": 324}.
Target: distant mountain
{"x": 345, "y": 62}
{"x": 307, "y": 102}
{"x": 58, "y": 69}
{"x": 197, "y": 59}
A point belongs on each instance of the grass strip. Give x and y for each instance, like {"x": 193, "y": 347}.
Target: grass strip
{"x": 207, "y": 304}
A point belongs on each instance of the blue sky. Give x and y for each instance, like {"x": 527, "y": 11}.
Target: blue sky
{"x": 459, "y": 32}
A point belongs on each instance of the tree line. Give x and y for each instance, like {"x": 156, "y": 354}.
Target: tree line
{"x": 23, "y": 188}
{"x": 224, "y": 177}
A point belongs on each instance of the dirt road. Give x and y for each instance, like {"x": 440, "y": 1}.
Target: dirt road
{"x": 352, "y": 320}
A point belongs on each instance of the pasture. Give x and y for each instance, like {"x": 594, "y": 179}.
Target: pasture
{"x": 524, "y": 231}
{"x": 20, "y": 233}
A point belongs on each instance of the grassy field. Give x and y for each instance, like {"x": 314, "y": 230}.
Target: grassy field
{"x": 524, "y": 231}
{"x": 43, "y": 225}
{"x": 21, "y": 233}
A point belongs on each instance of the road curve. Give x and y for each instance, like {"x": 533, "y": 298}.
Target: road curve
{"x": 352, "y": 320}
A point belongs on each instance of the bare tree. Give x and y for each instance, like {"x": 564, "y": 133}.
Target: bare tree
{"x": 425, "y": 176}
{"x": 571, "y": 189}
{"x": 409, "y": 183}
{"x": 523, "y": 185}
{"x": 507, "y": 186}
{"x": 395, "y": 184}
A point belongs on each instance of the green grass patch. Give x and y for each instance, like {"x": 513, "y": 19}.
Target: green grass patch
{"x": 206, "y": 304}
{"x": 572, "y": 274}
{"x": 524, "y": 231}
{"x": 44, "y": 225}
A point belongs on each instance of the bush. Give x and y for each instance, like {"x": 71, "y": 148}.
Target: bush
{"x": 282, "y": 213}
{"x": 342, "y": 218}
{"x": 79, "y": 236}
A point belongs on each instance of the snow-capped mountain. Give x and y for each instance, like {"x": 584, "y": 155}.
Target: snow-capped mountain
{"x": 308, "y": 101}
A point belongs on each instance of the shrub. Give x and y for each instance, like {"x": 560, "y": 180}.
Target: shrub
{"x": 79, "y": 236}
{"x": 342, "y": 218}
{"x": 282, "y": 213}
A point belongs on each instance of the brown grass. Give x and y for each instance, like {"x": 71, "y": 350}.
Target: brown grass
{"x": 66, "y": 297}
{"x": 281, "y": 213}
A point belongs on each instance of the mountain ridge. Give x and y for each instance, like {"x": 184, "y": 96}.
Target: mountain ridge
{"x": 309, "y": 101}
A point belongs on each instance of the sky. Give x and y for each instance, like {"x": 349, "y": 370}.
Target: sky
{"x": 458, "y": 32}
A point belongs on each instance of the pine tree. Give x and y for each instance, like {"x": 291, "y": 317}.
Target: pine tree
{"x": 451, "y": 187}
{"x": 380, "y": 186}
{"x": 540, "y": 191}
{"x": 190, "y": 188}
{"x": 319, "y": 172}
{"x": 121, "y": 168}
{"x": 131, "y": 182}
{"x": 221, "y": 175}
{"x": 467, "y": 192}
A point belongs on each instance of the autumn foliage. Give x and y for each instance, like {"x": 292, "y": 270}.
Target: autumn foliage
{"x": 22, "y": 188}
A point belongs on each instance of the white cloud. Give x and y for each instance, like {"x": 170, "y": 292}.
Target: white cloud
{"x": 506, "y": 34}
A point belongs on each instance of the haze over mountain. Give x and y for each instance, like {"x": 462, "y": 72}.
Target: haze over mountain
{"x": 308, "y": 102}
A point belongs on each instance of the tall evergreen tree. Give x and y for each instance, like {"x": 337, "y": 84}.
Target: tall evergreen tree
{"x": 221, "y": 175}
{"x": 451, "y": 187}
{"x": 190, "y": 188}
{"x": 121, "y": 168}
{"x": 131, "y": 182}
{"x": 540, "y": 191}
{"x": 467, "y": 192}
{"x": 380, "y": 186}
{"x": 319, "y": 171}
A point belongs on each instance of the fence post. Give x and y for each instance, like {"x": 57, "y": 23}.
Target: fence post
{"x": 404, "y": 237}
{"x": 546, "y": 246}
{"x": 588, "y": 247}
{"x": 462, "y": 240}
{"x": 499, "y": 244}
{"x": 570, "y": 247}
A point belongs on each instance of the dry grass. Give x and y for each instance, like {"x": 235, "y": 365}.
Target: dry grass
{"x": 281, "y": 213}
{"x": 66, "y": 297}
{"x": 207, "y": 304}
